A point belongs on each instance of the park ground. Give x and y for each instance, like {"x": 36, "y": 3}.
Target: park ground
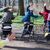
{"x": 24, "y": 44}
{"x": 18, "y": 44}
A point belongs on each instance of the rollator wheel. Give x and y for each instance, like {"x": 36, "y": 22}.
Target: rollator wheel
{"x": 24, "y": 33}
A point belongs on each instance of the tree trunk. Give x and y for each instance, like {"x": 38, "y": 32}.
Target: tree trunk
{"x": 9, "y": 2}
{"x": 21, "y": 6}
{"x": 36, "y": 1}
{"x": 30, "y": 0}
{"x": 49, "y": 1}
{"x": 5, "y": 3}
{"x": 0, "y": 3}
{"x": 13, "y": 2}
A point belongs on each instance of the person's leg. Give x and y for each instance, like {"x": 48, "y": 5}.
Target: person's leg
{"x": 48, "y": 36}
{"x": 4, "y": 33}
{"x": 25, "y": 25}
{"x": 45, "y": 25}
{"x": 11, "y": 37}
{"x": 25, "y": 29}
{"x": 49, "y": 26}
{"x": 30, "y": 27}
{"x": 6, "y": 41}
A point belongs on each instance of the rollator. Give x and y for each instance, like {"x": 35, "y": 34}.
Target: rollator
{"x": 7, "y": 21}
{"x": 6, "y": 29}
{"x": 28, "y": 29}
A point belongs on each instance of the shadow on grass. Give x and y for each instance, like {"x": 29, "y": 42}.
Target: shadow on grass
{"x": 25, "y": 48}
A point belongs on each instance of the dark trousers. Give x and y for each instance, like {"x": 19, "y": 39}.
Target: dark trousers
{"x": 28, "y": 28}
{"x": 45, "y": 24}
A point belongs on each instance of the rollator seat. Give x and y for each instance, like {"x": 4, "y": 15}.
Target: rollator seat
{"x": 7, "y": 28}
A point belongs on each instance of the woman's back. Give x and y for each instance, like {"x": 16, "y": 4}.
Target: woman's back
{"x": 7, "y": 17}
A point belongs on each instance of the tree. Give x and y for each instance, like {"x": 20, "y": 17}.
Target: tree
{"x": 9, "y": 2}
{"x": 0, "y": 4}
{"x": 21, "y": 6}
{"x": 36, "y": 1}
{"x": 30, "y": 0}
{"x": 5, "y": 3}
{"x": 13, "y": 2}
{"x": 49, "y": 1}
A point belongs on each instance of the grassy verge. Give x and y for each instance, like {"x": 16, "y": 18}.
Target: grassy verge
{"x": 18, "y": 19}
{"x": 38, "y": 20}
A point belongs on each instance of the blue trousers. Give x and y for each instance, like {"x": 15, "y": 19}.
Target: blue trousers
{"x": 48, "y": 26}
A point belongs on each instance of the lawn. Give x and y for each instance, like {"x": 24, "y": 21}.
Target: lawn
{"x": 38, "y": 20}
{"x": 18, "y": 19}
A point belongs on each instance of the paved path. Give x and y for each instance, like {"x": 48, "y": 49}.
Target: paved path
{"x": 21, "y": 45}
{"x": 24, "y": 45}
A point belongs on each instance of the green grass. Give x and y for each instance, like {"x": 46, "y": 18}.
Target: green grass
{"x": 18, "y": 19}
{"x": 38, "y": 20}
{"x": 1, "y": 13}
{"x": 18, "y": 25}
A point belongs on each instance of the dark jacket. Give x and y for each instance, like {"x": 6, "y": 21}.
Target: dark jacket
{"x": 7, "y": 17}
{"x": 27, "y": 17}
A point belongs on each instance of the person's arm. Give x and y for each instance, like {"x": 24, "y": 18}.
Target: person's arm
{"x": 41, "y": 13}
{"x": 46, "y": 8}
{"x": 35, "y": 16}
{"x": 28, "y": 8}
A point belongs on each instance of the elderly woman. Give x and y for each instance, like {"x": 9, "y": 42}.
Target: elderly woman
{"x": 27, "y": 17}
{"x": 6, "y": 20}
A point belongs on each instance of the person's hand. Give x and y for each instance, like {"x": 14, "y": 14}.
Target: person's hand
{"x": 44, "y": 4}
{"x": 12, "y": 37}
